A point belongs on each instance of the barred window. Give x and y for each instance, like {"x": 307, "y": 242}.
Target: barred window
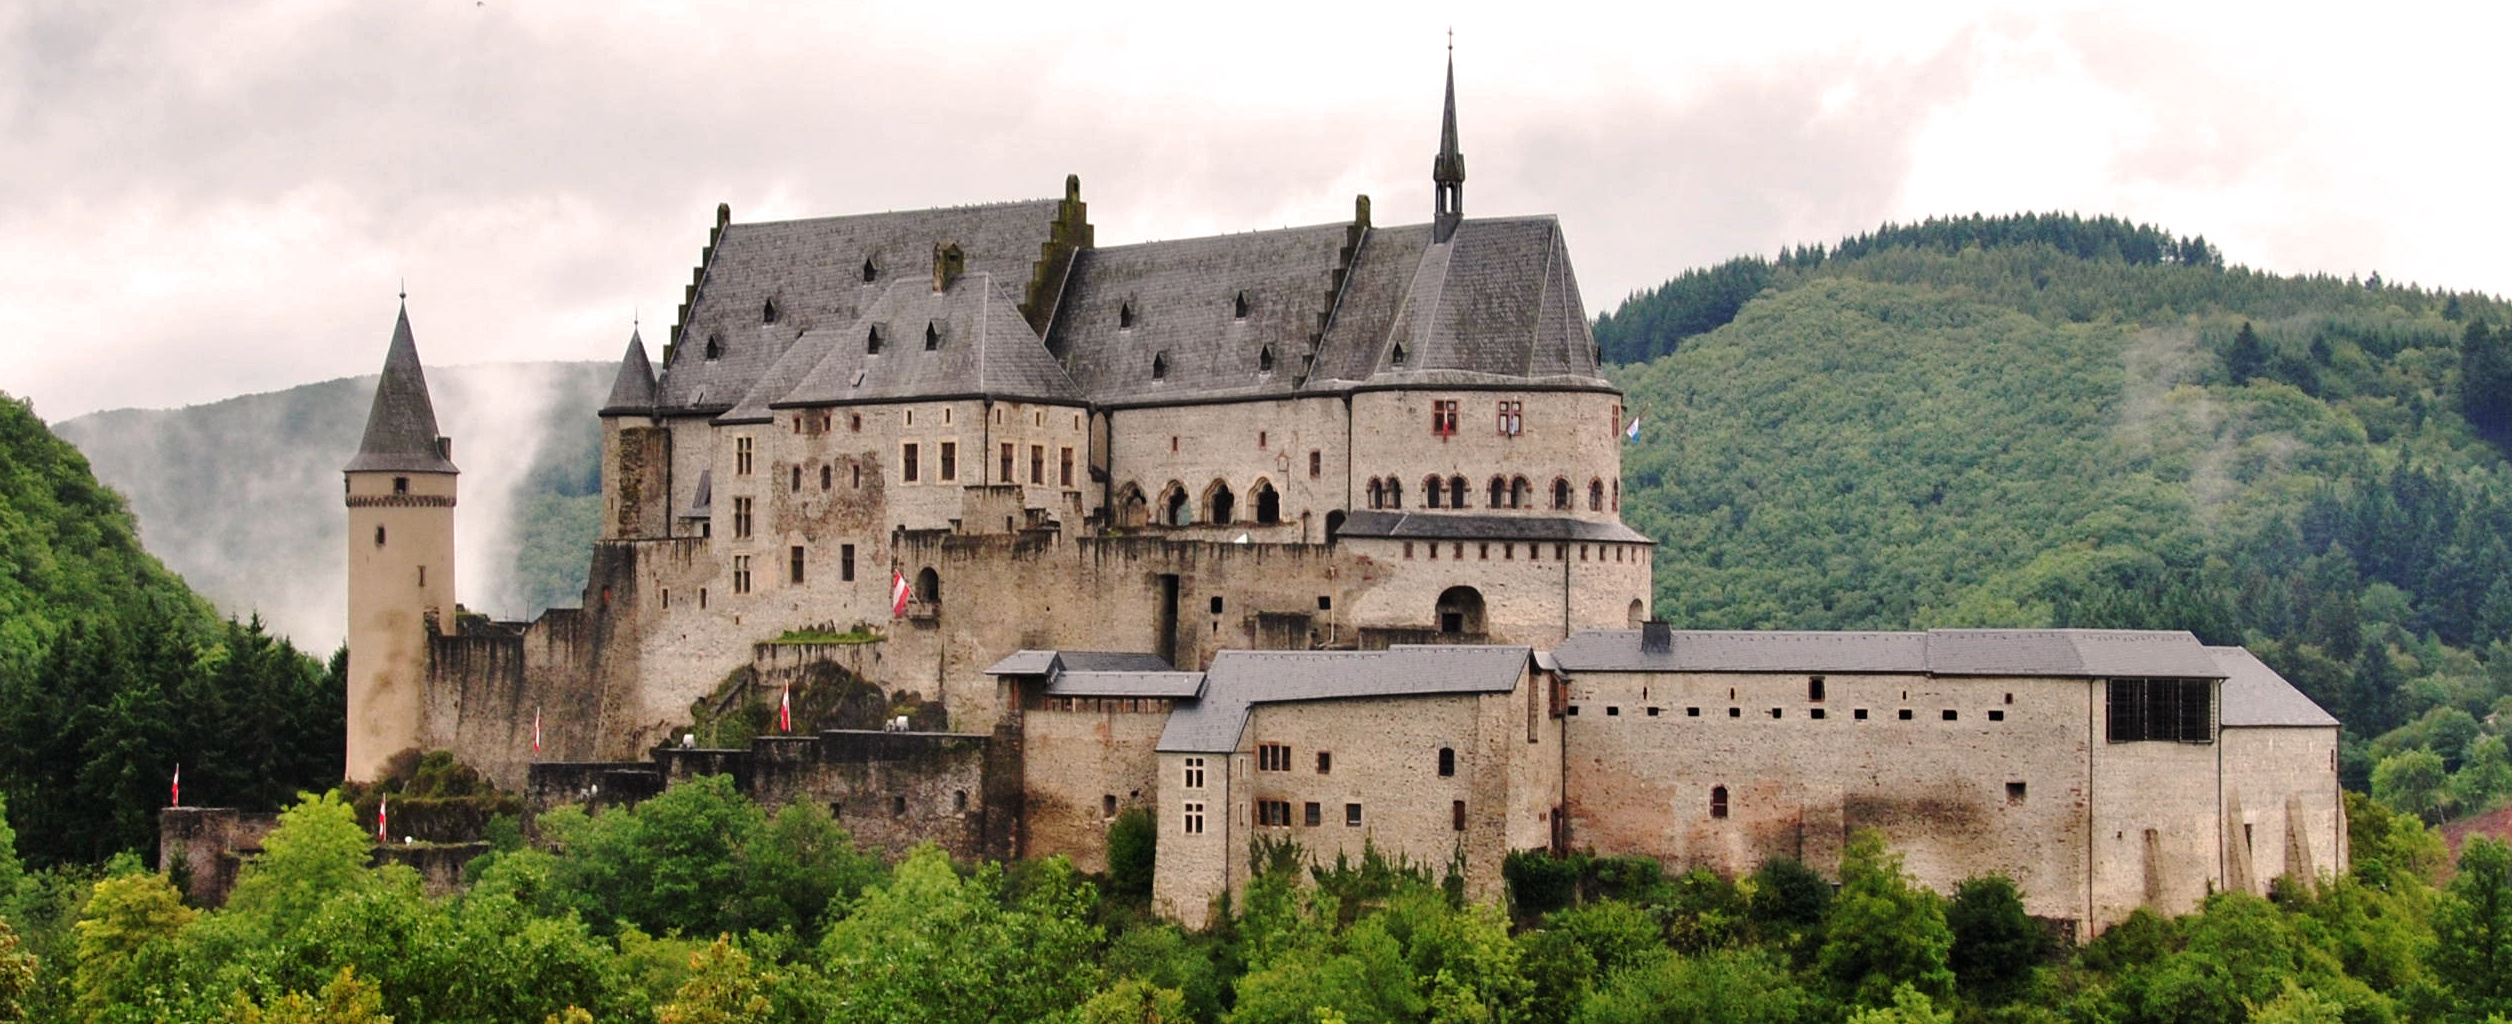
{"x": 2179, "y": 710}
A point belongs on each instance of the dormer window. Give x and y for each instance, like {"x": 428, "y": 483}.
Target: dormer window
{"x": 1264, "y": 360}
{"x": 1160, "y": 366}
{"x": 870, "y": 273}
{"x": 872, "y": 341}
{"x": 714, "y": 346}
{"x": 767, "y": 312}
{"x": 933, "y": 337}
{"x": 1398, "y": 357}
{"x": 1125, "y": 316}
{"x": 1238, "y": 307}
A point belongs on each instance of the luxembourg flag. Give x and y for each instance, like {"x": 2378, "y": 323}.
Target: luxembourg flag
{"x": 177, "y": 797}
{"x": 1632, "y": 432}
{"x": 536, "y": 730}
{"x": 785, "y": 710}
{"x": 898, "y": 593}
{"x": 380, "y": 800}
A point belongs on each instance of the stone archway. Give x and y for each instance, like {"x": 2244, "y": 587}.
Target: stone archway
{"x": 1220, "y": 506}
{"x": 1460, "y": 611}
{"x": 1268, "y": 502}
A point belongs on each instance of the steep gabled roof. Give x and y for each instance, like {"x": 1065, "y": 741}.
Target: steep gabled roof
{"x": 1184, "y": 300}
{"x": 812, "y": 271}
{"x": 1497, "y": 302}
{"x": 632, "y": 392}
{"x": 2255, "y": 696}
{"x": 401, "y": 426}
{"x": 980, "y": 345}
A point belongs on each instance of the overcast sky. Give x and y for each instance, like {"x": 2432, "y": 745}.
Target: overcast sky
{"x": 201, "y": 199}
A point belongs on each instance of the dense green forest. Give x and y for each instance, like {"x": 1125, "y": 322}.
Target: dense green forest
{"x": 2050, "y": 421}
{"x": 112, "y": 672}
{"x": 698, "y": 906}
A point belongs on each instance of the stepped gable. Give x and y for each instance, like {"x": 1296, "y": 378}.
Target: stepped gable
{"x": 1241, "y": 679}
{"x": 401, "y": 432}
{"x": 1184, "y": 296}
{"x": 813, "y": 271}
{"x": 979, "y": 345}
{"x": 632, "y": 392}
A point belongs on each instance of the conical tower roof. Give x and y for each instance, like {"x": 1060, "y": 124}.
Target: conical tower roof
{"x": 401, "y": 427}
{"x": 632, "y": 392}
{"x": 1449, "y": 166}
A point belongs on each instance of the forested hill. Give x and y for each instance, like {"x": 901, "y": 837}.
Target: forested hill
{"x": 110, "y": 669}
{"x": 2058, "y": 422}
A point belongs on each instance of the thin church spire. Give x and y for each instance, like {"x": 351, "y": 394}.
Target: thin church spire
{"x": 1447, "y": 170}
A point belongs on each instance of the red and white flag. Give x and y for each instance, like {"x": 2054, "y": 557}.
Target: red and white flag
{"x": 785, "y": 710}
{"x": 536, "y": 730}
{"x": 177, "y": 799}
{"x": 380, "y": 800}
{"x": 898, "y": 593}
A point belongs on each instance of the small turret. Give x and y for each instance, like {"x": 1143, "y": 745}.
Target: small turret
{"x": 633, "y": 391}
{"x": 401, "y": 426}
{"x": 1447, "y": 170}
{"x": 636, "y": 454}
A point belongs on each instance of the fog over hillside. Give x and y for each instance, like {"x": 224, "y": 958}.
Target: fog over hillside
{"x": 242, "y": 496}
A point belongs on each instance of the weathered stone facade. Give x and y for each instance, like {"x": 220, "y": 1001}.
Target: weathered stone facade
{"x": 1355, "y": 492}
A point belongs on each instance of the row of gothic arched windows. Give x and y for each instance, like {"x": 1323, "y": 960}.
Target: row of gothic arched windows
{"x": 1500, "y": 492}
{"x": 1218, "y": 505}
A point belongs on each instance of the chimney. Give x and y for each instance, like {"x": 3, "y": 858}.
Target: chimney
{"x": 948, "y": 263}
{"x": 1656, "y": 637}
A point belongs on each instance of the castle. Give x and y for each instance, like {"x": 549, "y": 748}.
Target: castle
{"x": 1344, "y": 503}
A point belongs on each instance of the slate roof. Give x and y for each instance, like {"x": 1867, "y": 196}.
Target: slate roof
{"x": 1498, "y": 304}
{"x": 1173, "y": 685}
{"x": 813, "y": 271}
{"x": 969, "y": 340}
{"x": 1184, "y": 296}
{"x": 1944, "y": 652}
{"x": 401, "y": 425}
{"x": 1472, "y": 526}
{"x": 632, "y": 392}
{"x": 2256, "y": 696}
{"x": 1240, "y": 680}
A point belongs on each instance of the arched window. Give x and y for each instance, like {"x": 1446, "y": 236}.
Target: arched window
{"x": 1456, "y": 492}
{"x": 1447, "y": 761}
{"x": 1174, "y": 508}
{"x": 767, "y": 312}
{"x": 1334, "y": 525}
{"x": 1499, "y": 496}
{"x": 1636, "y": 616}
{"x": 1395, "y": 493}
{"x": 1521, "y": 494}
{"x": 1596, "y": 495}
{"x": 1460, "y": 610}
{"x": 1264, "y": 359}
{"x": 1561, "y": 493}
{"x": 1220, "y": 506}
{"x": 929, "y": 586}
{"x": 1430, "y": 492}
{"x": 1268, "y": 503}
{"x": 872, "y": 341}
{"x": 1131, "y": 509}
{"x": 1718, "y": 801}
{"x": 1377, "y": 493}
